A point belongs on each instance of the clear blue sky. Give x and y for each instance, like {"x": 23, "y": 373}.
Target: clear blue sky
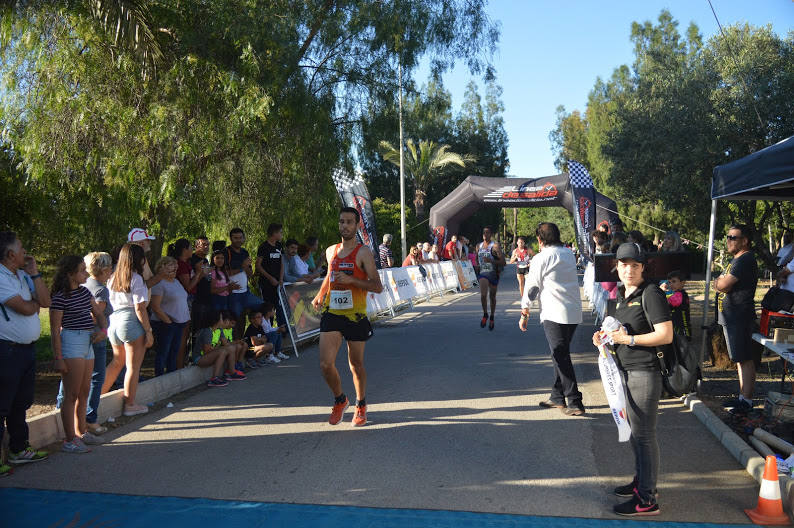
{"x": 550, "y": 53}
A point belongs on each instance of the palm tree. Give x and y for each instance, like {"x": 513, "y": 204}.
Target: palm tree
{"x": 423, "y": 164}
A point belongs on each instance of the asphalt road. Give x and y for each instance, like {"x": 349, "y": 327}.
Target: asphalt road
{"x": 454, "y": 425}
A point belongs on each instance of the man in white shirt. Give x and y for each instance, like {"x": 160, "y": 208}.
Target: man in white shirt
{"x": 552, "y": 281}
{"x": 22, "y": 294}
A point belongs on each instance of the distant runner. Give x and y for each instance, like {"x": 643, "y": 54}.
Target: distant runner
{"x": 490, "y": 259}
{"x": 521, "y": 256}
{"x": 351, "y": 274}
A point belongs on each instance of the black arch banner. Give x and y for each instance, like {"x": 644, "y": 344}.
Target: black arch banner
{"x": 551, "y": 191}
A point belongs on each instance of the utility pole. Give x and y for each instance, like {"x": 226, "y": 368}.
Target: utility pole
{"x": 403, "y": 238}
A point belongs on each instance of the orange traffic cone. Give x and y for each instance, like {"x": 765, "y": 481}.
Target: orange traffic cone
{"x": 770, "y": 507}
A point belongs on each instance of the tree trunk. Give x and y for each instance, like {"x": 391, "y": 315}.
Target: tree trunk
{"x": 419, "y": 203}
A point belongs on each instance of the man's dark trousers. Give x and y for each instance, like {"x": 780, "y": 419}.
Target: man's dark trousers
{"x": 565, "y": 387}
{"x": 17, "y": 381}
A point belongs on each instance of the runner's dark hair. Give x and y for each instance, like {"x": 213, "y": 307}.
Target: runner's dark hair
{"x": 745, "y": 231}
{"x": 352, "y": 211}
{"x": 675, "y": 274}
{"x": 272, "y": 228}
{"x": 236, "y": 230}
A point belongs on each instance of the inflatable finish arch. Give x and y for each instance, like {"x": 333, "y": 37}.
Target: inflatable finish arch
{"x": 573, "y": 192}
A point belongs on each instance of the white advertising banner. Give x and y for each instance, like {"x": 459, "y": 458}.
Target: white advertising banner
{"x": 450, "y": 275}
{"x": 435, "y": 277}
{"x": 379, "y": 302}
{"x": 418, "y": 279}
{"x": 463, "y": 282}
{"x": 468, "y": 272}
{"x": 400, "y": 284}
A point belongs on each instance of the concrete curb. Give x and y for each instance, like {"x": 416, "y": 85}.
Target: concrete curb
{"x": 747, "y": 456}
{"x": 47, "y": 428}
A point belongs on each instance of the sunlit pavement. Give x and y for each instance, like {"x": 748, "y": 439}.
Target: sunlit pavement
{"x": 455, "y": 433}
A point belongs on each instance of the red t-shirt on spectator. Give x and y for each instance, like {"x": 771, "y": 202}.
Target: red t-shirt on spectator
{"x": 183, "y": 268}
{"x": 449, "y": 249}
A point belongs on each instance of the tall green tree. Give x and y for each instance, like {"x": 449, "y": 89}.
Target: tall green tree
{"x": 251, "y": 101}
{"x": 655, "y": 130}
{"x": 424, "y": 163}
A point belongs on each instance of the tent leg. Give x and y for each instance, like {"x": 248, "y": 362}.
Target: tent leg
{"x": 707, "y": 292}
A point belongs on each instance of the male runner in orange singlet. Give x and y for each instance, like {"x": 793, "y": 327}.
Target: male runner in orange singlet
{"x": 351, "y": 274}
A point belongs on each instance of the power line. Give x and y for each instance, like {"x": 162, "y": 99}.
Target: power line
{"x": 736, "y": 64}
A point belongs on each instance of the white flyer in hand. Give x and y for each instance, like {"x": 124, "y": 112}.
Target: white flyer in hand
{"x": 612, "y": 380}
{"x": 613, "y": 387}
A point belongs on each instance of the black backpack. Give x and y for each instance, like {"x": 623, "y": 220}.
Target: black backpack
{"x": 678, "y": 362}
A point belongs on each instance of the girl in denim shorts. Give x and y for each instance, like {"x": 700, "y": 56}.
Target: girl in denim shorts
{"x": 73, "y": 315}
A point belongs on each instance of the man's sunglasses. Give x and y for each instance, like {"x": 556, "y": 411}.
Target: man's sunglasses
{"x": 733, "y": 237}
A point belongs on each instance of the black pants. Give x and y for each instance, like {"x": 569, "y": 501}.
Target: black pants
{"x": 559, "y": 339}
{"x": 17, "y": 380}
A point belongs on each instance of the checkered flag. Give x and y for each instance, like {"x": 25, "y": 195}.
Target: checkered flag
{"x": 344, "y": 181}
{"x": 579, "y": 175}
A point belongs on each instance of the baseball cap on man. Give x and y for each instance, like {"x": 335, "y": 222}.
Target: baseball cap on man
{"x": 138, "y": 234}
{"x": 630, "y": 250}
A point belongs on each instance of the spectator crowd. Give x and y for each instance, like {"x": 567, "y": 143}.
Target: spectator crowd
{"x": 196, "y": 307}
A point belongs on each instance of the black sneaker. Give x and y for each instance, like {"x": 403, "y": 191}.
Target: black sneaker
{"x": 635, "y": 506}
{"x": 738, "y": 406}
{"x": 627, "y": 490}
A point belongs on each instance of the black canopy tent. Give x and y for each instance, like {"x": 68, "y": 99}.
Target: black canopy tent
{"x": 764, "y": 175}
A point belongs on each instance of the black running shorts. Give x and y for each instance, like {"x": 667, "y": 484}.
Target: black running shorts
{"x": 350, "y": 330}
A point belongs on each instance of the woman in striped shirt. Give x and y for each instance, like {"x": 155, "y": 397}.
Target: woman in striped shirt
{"x": 73, "y": 315}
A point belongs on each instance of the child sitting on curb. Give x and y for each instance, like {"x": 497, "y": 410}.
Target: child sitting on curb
{"x": 255, "y": 334}
{"x": 207, "y": 354}
{"x": 272, "y": 334}
{"x": 224, "y": 335}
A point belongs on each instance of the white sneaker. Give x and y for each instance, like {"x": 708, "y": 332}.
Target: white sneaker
{"x": 91, "y": 439}
{"x": 133, "y": 410}
{"x": 273, "y": 360}
{"x": 282, "y": 355}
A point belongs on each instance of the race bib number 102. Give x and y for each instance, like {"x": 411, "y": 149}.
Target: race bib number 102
{"x": 341, "y": 300}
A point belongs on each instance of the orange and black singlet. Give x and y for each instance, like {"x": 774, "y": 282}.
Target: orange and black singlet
{"x": 345, "y": 299}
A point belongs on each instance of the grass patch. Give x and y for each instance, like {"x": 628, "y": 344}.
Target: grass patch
{"x": 44, "y": 344}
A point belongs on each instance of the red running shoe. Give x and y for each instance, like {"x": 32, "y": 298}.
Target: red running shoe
{"x": 338, "y": 411}
{"x": 360, "y": 416}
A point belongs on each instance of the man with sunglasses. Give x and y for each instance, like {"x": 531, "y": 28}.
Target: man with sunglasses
{"x": 736, "y": 312}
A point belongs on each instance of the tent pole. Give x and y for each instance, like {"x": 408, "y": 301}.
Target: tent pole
{"x": 707, "y": 293}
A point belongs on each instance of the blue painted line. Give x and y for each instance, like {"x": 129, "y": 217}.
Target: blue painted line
{"x": 24, "y": 508}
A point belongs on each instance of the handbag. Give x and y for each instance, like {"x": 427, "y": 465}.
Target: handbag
{"x": 777, "y": 299}
{"x": 678, "y": 363}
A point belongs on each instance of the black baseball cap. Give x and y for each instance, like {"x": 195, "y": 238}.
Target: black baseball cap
{"x": 630, "y": 250}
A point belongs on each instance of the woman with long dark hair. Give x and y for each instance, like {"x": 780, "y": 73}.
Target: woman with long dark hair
{"x": 182, "y": 250}
{"x": 73, "y": 315}
{"x": 130, "y": 331}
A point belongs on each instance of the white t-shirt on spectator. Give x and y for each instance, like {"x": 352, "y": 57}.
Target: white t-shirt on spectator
{"x": 425, "y": 255}
{"x": 300, "y": 266}
{"x": 138, "y": 293}
{"x": 241, "y": 279}
{"x": 14, "y": 326}
{"x": 789, "y": 284}
{"x": 784, "y": 253}
{"x": 553, "y": 272}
